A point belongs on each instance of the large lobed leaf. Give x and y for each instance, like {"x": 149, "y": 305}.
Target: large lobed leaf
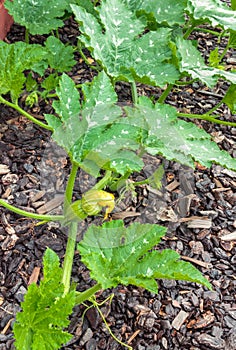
{"x": 213, "y": 11}
{"x": 95, "y": 135}
{"x": 118, "y": 255}
{"x": 191, "y": 61}
{"x": 59, "y": 56}
{"x": 45, "y": 311}
{"x": 14, "y": 60}
{"x": 38, "y": 16}
{"x": 168, "y": 12}
{"x": 117, "y": 40}
{"x": 230, "y": 98}
{"x": 176, "y": 139}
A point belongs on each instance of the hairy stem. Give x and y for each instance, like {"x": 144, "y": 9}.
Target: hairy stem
{"x": 134, "y": 92}
{"x": 18, "y": 211}
{"x": 25, "y": 114}
{"x": 165, "y": 93}
{"x": 188, "y": 31}
{"x": 224, "y": 51}
{"x": 214, "y": 108}
{"x": 70, "y": 186}
{"x": 204, "y": 30}
{"x": 88, "y": 293}
{"x": 103, "y": 182}
{"x": 73, "y": 227}
{"x": 183, "y": 83}
{"x": 69, "y": 256}
{"x": 205, "y": 117}
{"x": 27, "y": 36}
{"x": 98, "y": 69}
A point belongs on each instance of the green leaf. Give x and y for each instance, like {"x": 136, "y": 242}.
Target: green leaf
{"x": 192, "y": 62}
{"x": 176, "y": 139}
{"x": 87, "y": 5}
{"x": 168, "y": 11}
{"x": 123, "y": 255}
{"x": 233, "y": 4}
{"x": 155, "y": 179}
{"x": 230, "y": 98}
{"x": 45, "y": 311}
{"x": 232, "y": 39}
{"x": 14, "y": 60}
{"x": 122, "y": 47}
{"x": 213, "y": 11}
{"x": 51, "y": 82}
{"x": 39, "y": 17}
{"x": 214, "y": 59}
{"x": 96, "y": 136}
{"x": 59, "y": 56}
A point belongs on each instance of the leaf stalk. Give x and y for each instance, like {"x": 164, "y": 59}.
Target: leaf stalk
{"x": 25, "y": 114}
{"x": 18, "y": 211}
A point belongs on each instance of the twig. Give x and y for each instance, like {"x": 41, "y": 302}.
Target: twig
{"x": 197, "y": 262}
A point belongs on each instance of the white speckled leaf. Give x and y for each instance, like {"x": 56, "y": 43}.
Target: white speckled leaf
{"x": 213, "y": 11}
{"x": 38, "y": 16}
{"x": 121, "y": 46}
{"x": 168, "y": 11}
{"x": 121, "y": 255}
{"x": 176, "y": 139}
{"x": 193, "y": 63}
{"x": 95, "y": 134}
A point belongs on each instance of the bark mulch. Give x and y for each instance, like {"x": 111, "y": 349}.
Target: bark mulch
{"x": 198, "y": 208}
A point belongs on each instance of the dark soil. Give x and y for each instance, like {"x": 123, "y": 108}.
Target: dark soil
{"x": 198, "y": 208}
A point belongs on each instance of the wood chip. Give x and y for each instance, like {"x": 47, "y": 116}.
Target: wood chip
{"x": 36, "y": 196}
{"x": 4, "y": 169}
{"x": 124, "y": 214}
{"x": 230, "y": 237}
{"x": 172, "y": 186}
{"x": 52, "y": 204}
{"x": 7, "y": 193}
{"x": 221, "y": 189}
{"x": 34, "y": 275}
{"x": 203, "y": 321}
{"x": 197, "y": 221}
{"x": 134, "y": 335}
{"x": 180, "y": 319}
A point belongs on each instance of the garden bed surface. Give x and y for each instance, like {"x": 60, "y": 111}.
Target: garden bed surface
{"x": 198, "y": 207}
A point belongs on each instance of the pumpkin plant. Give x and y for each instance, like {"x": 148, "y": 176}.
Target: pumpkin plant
{"x": 134, "y": 41}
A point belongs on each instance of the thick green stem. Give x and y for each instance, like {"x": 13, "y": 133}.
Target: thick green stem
{"x": 224, "y": 51}
{"x": 98, "y": 69}
{"x": 183, "y": 83}
{"x": 134, "y": 92}
{"x": 27, "y": 36}
{"x": 103, "y": 182}
{"x": 214, "y": 108}
{"x": 24, "y": 113}
{"x": 188, "y": 32}
{"x": 204, "y": 30}
{"x": 165, "y": 93}
{"x": 83, "y": 296}
{"x": 73, "y": 227}
{"x": 70, "y": 186}
{"x": 69, "y": 256}
{"x": 18, "y": 211}
{"x": 205, "y": 117}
